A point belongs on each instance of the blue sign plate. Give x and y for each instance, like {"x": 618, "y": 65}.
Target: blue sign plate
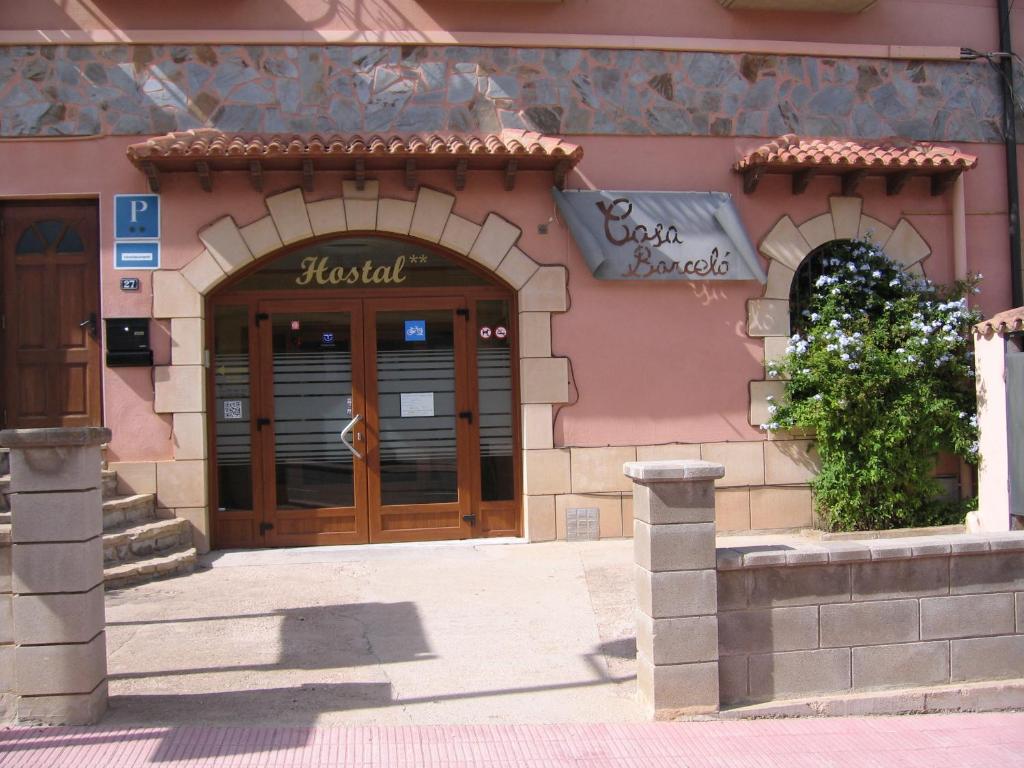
{"x": 137, "y": 255}
{"x": 136, "y": 217}
{"x": 415, "y": 330}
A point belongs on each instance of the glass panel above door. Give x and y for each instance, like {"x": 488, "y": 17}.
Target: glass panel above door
{"x": 312, "y": 381}
{"x": 359, "y": 263}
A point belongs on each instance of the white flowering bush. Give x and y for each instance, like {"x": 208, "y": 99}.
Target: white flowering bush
{"x": 881, "y": 369}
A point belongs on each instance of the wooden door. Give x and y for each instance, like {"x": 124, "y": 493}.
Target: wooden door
{"x": 313, "y": 472}
{"x": 418, "y": 420}
{"x": 51, "y": 315}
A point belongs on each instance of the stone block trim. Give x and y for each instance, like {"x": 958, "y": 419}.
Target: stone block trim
{"x": 395, "y": 216}
{"x": 262, "y": 236}
{"x": 288, "y": 209}
{"x": 226, "y": 244}
{"x": 178, "y": 296}
{"x": 431, "y": 213}
{"x": 203, "y": 272}
{"x": 786, "y": 246}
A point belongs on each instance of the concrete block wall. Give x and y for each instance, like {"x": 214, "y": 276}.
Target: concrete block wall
{"x": 860, "y": 616}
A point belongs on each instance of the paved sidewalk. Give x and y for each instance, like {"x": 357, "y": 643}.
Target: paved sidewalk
{"x": 924, "y": 741}
{"x": 434, "y": 634}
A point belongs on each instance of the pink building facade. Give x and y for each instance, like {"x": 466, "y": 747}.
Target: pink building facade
{"x": 487, "y": 384}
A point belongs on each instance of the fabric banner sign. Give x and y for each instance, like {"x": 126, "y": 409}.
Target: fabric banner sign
{"x": 660, "y": 235}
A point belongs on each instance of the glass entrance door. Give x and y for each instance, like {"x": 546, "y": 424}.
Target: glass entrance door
{"x": 311, "y": 423}
{"x": 355, "y": 420}
{"x": 419, "y": 420}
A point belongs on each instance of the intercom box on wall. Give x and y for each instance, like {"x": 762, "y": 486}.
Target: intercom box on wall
{"x": 128, "y": 342}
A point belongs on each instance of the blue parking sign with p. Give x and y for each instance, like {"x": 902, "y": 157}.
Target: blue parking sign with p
{"x": 136, "y": 217}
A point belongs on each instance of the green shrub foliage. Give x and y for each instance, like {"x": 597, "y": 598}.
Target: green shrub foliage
{"x": 881, "y": 370}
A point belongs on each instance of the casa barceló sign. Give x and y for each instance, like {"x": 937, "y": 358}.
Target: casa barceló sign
{"x": 660, "y": 235}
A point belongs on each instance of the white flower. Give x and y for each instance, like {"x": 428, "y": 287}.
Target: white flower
{"x": 853, "y": 366}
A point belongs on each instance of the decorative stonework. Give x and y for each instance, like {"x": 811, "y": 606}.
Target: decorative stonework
{"x": 136, "y": 90}
{"x": 786, "y": 246}
{"x": 178, "y": 295}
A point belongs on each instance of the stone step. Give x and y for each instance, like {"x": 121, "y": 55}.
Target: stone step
{"x": 117, "y": 512}
{"x": 123, "y": 511}
{"x": 174, "y": 563}
{"x": 108, "y": 479}
{"x": 152, "y": 538}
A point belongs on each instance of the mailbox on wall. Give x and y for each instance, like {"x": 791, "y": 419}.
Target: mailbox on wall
{"x": 128, "y": 342}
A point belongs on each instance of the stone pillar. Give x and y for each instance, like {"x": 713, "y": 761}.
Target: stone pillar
{"x": 677, "y": 585}
{"x": 994, "y": 503}
{"x": 60, "y": 653}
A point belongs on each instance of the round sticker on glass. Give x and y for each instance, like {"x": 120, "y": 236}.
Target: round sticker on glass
{"x": 485, "y": 332}
{"x": 500, "y": 332}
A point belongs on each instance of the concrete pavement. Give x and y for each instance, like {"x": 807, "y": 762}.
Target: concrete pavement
{"x": 388, "y": 635}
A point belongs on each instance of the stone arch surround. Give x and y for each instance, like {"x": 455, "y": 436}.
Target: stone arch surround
{"x": 785, "y": 247}
{"x": 179, "y": 296}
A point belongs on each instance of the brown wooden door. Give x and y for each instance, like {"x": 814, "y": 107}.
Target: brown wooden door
{"x": 418, "y": 420}
{"x": 51, "y": 313}
{"x": 311, "y": 389}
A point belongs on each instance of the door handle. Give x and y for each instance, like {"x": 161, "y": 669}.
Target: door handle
{"x": 348, "y": 428}
{"x": 89, "y": 324}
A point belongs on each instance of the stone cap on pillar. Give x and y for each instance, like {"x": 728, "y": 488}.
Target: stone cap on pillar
{"x": 679, "y": 471}
{"x": 54, "y": 437}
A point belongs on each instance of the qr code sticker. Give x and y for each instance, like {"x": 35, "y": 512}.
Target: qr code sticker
{"x": 232, "y": 409}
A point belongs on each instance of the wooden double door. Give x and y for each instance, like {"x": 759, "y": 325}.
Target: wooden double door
{"x": 50, "y": 314}
{"x": 359, "y": 420}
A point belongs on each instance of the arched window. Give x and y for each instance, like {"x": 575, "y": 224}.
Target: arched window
{"x": 807, "y": 274}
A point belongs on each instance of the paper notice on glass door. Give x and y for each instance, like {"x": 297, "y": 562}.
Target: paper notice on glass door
{"x": 417, "y": 404}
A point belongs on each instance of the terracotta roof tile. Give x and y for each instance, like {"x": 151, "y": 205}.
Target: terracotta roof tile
{"x": 206, "y": 143}
{"x": 1004, "y": 322}
{"x": 792, "y": 151}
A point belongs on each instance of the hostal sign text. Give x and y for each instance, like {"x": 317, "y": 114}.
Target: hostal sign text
{"x": 317, "y": 270}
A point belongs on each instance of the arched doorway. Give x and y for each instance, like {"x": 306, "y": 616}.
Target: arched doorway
{"x": 362, "y": 388}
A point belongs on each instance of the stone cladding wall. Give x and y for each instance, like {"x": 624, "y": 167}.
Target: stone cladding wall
{"x": 143, "y": 89}
{"x": 858, "y": 616}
